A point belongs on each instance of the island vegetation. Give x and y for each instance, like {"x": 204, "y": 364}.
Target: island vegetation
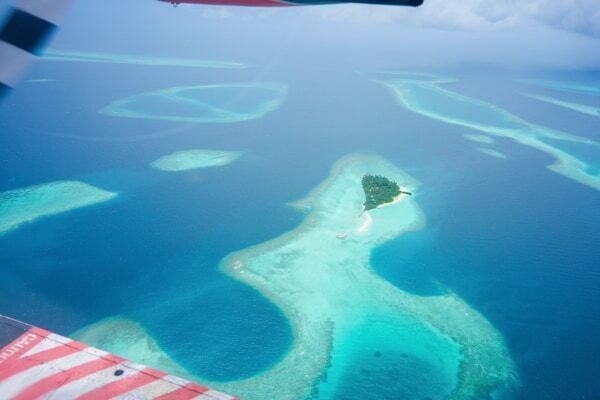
{"x": 379, "y": 190}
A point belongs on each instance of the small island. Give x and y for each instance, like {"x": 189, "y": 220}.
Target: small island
{"x": 379, "y": 190}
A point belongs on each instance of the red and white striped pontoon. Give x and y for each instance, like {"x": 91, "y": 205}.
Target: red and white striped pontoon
{"x": 37, "y": 364}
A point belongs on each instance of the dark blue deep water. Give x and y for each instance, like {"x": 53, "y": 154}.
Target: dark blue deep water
{"x": 515, "y": 240}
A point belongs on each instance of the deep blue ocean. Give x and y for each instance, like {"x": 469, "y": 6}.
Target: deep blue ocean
{"x": 518, "y": 242}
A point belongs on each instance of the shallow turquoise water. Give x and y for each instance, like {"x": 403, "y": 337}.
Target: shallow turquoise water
{"x": 526, "y": 261}
{"x": 587, "y": 153}
{"x": 372, "y": 364}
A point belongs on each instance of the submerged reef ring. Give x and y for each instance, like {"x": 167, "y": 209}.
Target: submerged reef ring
{"x": 582, "y": 108}
{"x": 110, "y": 58}
{"x": 221, "y": 103}
{"x": 193, "y": 159}
{"x": 20, "y": 206}
{"x": 429, "y": 99}
{"x": 345, "y": 317}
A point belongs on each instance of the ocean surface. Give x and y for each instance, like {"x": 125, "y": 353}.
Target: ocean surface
{"x": 518, "y": 242}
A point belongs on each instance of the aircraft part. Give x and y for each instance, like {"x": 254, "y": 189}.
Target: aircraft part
{"x": 38, "y": 364}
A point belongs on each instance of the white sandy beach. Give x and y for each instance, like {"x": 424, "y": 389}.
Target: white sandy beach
{"x": 366, "y": 221}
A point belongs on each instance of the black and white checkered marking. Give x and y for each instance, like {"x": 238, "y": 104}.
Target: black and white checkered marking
{"x": 23, "y": 34}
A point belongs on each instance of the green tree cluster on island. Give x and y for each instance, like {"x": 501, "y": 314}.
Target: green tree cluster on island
{"x": 378, "y": 190}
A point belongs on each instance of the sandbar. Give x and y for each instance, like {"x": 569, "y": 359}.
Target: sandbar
{"x": 588, "y": 88}
{"x": 474, "y": 137}
{"x": 491, "y": 152}
{"x": 582, "y": 108}
{"x": 194, "y": 159}
{"x": 112, "y": 58}
{"x": 25, "y": 205}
